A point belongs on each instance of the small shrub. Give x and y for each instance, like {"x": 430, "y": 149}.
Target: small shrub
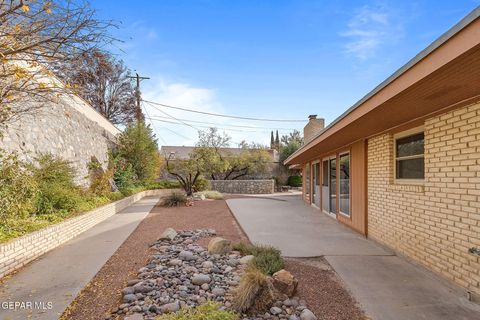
{"x": 267, "y": 259}
{"x": 100, "y": 180}
{"x": 211, "y": 194}
{"x": 201, "y": 184}
{"x": 123, "y": 175}
{"x": 174, "y": 199}
{"x": 244, "y": 248}
{"x": 18, "y": 188}
{"x": 207, "y": 311}
{"x": 294, "y": 181}
{"x": 254, "y": 292}
{"x": 56, "y": 198}
{"x": 58, "y": 191}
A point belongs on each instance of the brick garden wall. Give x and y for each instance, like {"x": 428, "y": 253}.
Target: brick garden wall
{"x": 435, "y": 223}
{"x": 18, "y": 252}
{"x": 243, "y": 186}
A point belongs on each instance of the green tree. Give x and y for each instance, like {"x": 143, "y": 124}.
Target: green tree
{"x": 288, "y": 149}
{"x": 138, "y": 147}
{"x": 188, "y": 172}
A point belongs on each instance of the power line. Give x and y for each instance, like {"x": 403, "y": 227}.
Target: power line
{"x": 150, "y": 103}
{"x": 200, "y": 126}
{"x": 222, "y": 115}
{"x": 156, "y": 132}
{"x": 228, "y": 125}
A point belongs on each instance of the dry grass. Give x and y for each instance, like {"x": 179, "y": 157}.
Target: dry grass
{"x": 254, "y": 289}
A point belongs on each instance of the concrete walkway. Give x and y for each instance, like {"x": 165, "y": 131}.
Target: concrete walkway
{"x": 387, "y": 286}
{"x": 58, "y": 276}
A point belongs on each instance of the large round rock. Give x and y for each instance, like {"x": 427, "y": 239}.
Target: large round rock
{"x": 200, "y": 279}
{"x": 168, "y": 234}
{"x": 219, "y": 245}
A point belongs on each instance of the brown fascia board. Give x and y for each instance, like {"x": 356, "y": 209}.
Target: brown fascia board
{"x": 443, "y": 39}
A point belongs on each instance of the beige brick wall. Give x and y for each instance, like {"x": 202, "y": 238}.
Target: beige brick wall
{"x": 18, "y": 252}
{"x": 435, "y": 224}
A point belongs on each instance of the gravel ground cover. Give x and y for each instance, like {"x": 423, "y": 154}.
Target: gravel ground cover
{"x": 104, "y": 293}
{"x": 183, "y": 274}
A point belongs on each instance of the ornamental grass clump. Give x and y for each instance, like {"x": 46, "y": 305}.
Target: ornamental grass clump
{"x": 267, "y": 259}
{"x": 207, "y": 311}
{"x": 254, "y": 293}
{"x": 174, "y": 199}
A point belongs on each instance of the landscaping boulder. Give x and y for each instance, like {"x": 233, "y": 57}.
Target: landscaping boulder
{"x": 246, "y": 259}
{"x": 200, "y": 279}
{"x": 168, "y": 234}
{"x": 136, "y": 316}
{"x": 307, "y": 315}
{"x": 170, "y": 307}
{"x": 219, "y": 245}
{"x": 284, "y": 282}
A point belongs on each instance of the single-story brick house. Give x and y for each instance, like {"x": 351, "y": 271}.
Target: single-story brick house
{"x": 402, "y": 166}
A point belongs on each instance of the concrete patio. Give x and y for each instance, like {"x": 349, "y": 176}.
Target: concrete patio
{"x": 386, "y": 286}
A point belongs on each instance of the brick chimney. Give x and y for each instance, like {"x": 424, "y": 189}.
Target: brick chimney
{"x": 313, "y": 127}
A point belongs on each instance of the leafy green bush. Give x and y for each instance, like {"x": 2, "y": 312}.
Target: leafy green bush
{"x": 18, "y": 189}
{"x": 174, "y": 199}
{"x": 58, "y": 191}
{"x": 123, "y": 175}
{"x": 163, "y": 184}
{"x": 137, "y": 147}
{"x": 201, "y": 184}
{"x": 207, "y": 311}
{"x": 294, "y": 181}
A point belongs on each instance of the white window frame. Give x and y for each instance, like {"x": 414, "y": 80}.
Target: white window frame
{"x": 400, "y": 135}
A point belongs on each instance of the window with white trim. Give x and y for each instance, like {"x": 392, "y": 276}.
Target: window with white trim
{"x": 409, "y": 156}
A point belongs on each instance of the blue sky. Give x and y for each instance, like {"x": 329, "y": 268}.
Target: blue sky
{"x": 269, "y": 59}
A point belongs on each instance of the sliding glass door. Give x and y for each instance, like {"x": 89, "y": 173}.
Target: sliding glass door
{"x": 344, "y": 198}
{"x": 333, "y": 185}
{"x": 316, "y": 184}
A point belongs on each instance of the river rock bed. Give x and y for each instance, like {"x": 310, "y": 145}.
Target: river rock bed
{"x": 181, "y": 273}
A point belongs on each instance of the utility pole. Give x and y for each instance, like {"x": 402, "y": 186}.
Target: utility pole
{"x": 138, "y": 78}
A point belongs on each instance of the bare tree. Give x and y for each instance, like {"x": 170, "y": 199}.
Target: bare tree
{"x": 35, "y": 34}
{"x": 102, "y": 80}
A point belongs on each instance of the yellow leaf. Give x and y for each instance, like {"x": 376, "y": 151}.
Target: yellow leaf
{"x": 25, "y": 8}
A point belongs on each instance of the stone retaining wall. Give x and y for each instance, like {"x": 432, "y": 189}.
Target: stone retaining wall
{"x": 18, "y": 252}
{"x": 70, "y": 129}
{"x": 243, "y": 186}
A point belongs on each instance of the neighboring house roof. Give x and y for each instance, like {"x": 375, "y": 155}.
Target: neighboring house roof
{"x": 183, "y": 152}
{"x": 446, "y": 73}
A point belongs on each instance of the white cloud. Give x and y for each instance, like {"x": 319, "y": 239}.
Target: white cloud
{"x": 369, "y": 29}
{"x": 185, "y": 95}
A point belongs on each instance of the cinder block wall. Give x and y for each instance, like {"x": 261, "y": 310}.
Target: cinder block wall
{"x": 437, "y": 223}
